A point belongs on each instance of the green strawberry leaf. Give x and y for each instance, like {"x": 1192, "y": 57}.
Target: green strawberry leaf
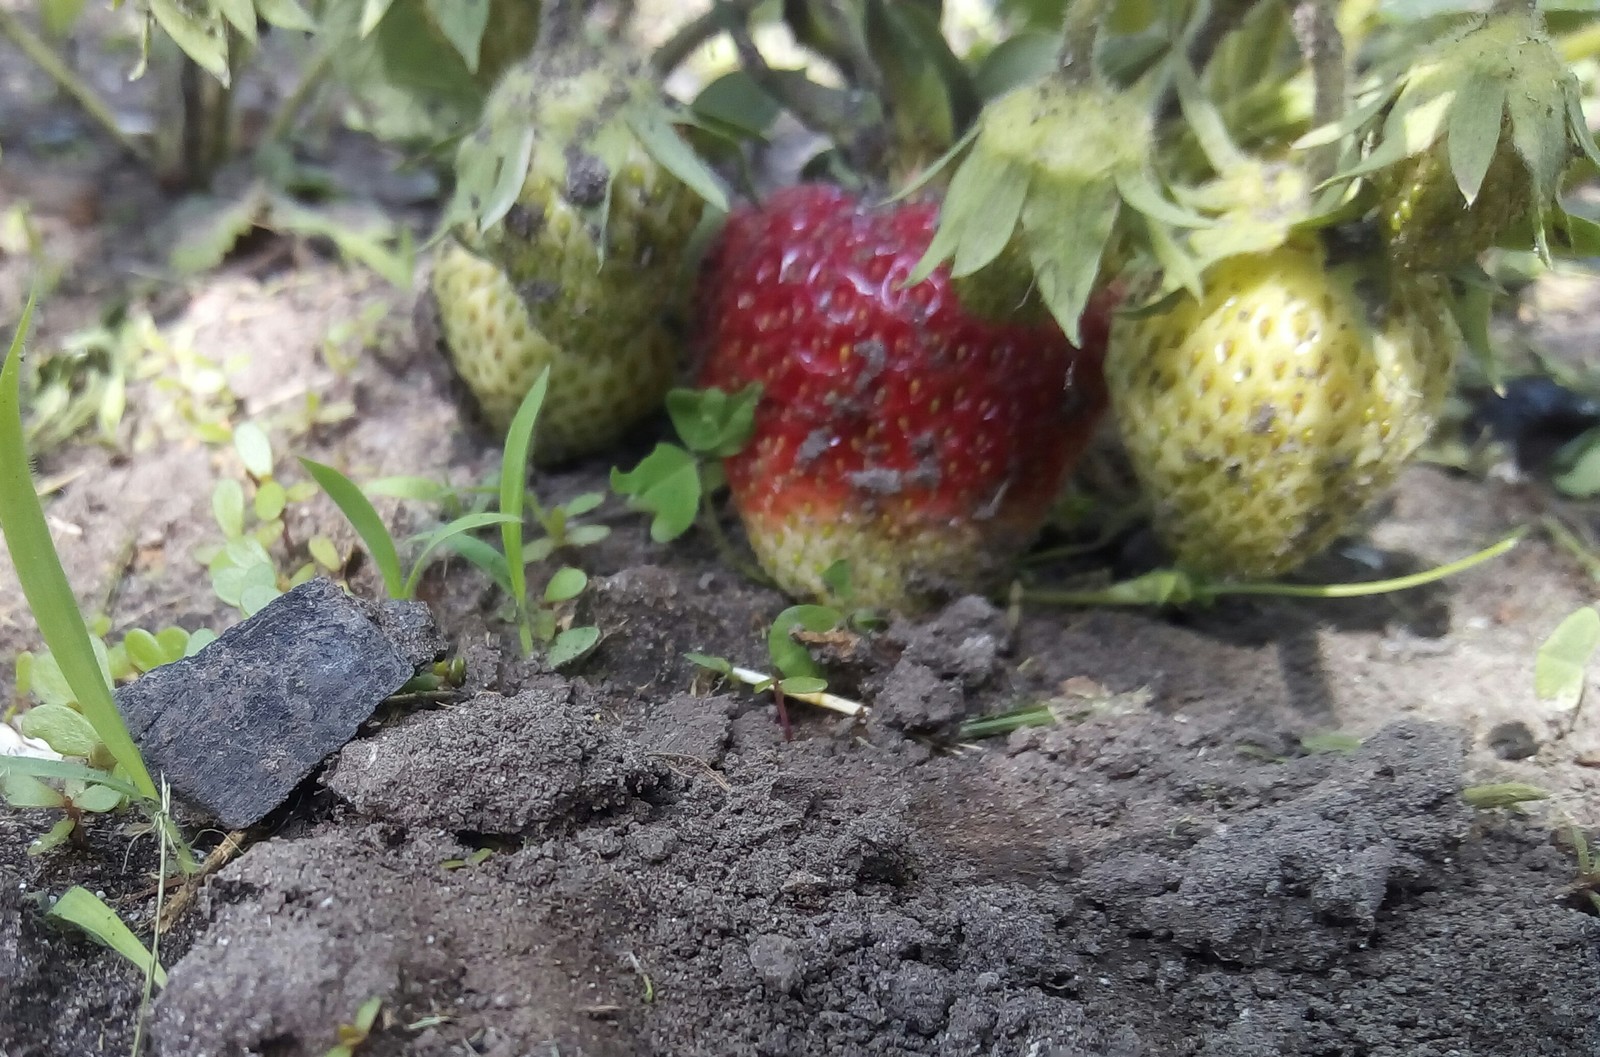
{"x": 713, "y": 422}
{"x": 1473, "y": 133}
{"x": 462, "y": 22}
{"x": 1560, "y": 669}
{"x": 662, "y": 142}
{"x": 666, "y": 483}
{"x": 789, "y": 656}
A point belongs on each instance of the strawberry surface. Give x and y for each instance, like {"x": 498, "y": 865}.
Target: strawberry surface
{"x": 896, "y": 430}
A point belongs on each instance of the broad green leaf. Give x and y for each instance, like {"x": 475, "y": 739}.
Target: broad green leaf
{"x": 666, "y": 483}
{"x": 675, "y": 155}
{"x": 572, "y": 645}
{"x": 24, "y": 791}
{"x": 227, "y": 506}
{"x": 44, "y": 583}
{"x": 81, "y": 907}
{"x": 991, "y": 221}
{"x": 736, "y": 101}
{"x": 712, "y": 421}
{"x": 1560, "y": 670}
{"x": 48, "y": 683}
{"x": 363, "y": 517}
{"x": 567, "y": 583}
{"x": 98, "y": 798}
{"x": 1473, "y": 132}
{"x": 254, "y": 449}
{"x": 462, "y": 22}
{"x": 202, "y": 39}
{"x": 270, "y": 500}
{"x": 789, "y": 656}
{"x": 144, "y": 650}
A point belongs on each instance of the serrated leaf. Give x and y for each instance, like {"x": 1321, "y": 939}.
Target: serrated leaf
{"x": 227, "y": 506}
{"x": 567, "y": 583}
{"x": 1560, "y": 670}
{"x": 144, "y": 650}
{"x": 81, "y": 907}
{"x": 571, "y": 646}
{"x": 463, "y": 23}
{"x": 1473, "y": 132}
{"x": 270, "y": 500}
{"x": 254, "y": 449}
{"x": 666, "y": 483}
{"x": 790, "y": 657}
{"x": 674, "y": 154}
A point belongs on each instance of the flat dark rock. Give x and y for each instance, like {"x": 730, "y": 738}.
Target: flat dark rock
{"x": 237, "y": 726}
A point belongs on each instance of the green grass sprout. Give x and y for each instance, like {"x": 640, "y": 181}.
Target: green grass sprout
{"x": 83, "y": 909}
{"x": 513, "y": 492}
{"x": 44, "y": 581}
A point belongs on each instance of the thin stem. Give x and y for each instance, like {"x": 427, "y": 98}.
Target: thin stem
{"x": 690, "y": 36}
{"x": 724, "y": 546}
{"x": 1376, "y": 587}
{"x": 1568, "y": 541}
{"x": 1079, "y": 33}
{"x": 1316, "y": 30}
{"x": 43, "y": 56}
{"x": 293, "y": 105}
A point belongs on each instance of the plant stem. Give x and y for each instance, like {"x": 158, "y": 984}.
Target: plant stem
{"x": 729, "y": 554}
{"x": 832, "y": 702}
{"x": 1080, "y": 31}
{"x": 1316, "y": 30}
{"x": 43, "y": 56}
{"x": 1376, "y": 587}
{"x": 676, "y": 49}
{"x": 293, "y": 104}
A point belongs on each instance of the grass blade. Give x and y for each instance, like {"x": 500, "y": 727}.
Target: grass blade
{"x": 44, "y": 582}
{"x": 488, "y": 560}
{"x": 443, "y": 534}
{"x": 513, "y": 488}
{"x": 363, "y": 517}
{"x": 35, "y": 767}
{"x": 81, "y": 907}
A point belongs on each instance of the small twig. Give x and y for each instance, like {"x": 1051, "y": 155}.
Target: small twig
{"x": 43, "y": 56}
{"x": 1316, "y": 30}
{"x": 823, "y": 699}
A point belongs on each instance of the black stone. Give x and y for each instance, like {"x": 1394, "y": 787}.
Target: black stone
{"x": 241, "y": 723}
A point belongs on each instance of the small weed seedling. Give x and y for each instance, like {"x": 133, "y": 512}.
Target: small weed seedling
{"x": 243, "y": 572}
{"x": 101, "y": 736}
{"x": 676, "y": 484}
{"x": 355, "y": 1034}
{"x": 537, "y": 618}
{"x": 1561, "y": 668}
{"x": 1586, "y": 888}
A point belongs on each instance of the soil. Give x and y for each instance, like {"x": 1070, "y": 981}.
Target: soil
{"x": 624, "y": 859}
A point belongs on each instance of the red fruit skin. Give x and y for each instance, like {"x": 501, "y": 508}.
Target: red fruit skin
{"x": 895, "y": 430}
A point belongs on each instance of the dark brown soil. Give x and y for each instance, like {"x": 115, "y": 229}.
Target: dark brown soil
{"x": 1167, "y": 872}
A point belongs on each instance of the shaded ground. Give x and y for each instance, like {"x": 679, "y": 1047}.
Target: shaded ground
{"x": 1168, "y": 872}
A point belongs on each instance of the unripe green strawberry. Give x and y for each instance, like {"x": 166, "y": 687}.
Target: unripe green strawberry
{"x": 1263, "y": 419}
{"x": 502, "y": 338}
{"x": 566, "y": 249}
{"x": 1475, "y": 145}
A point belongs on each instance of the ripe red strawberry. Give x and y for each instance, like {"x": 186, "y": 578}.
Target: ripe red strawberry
{"x": 896, "y": 430}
